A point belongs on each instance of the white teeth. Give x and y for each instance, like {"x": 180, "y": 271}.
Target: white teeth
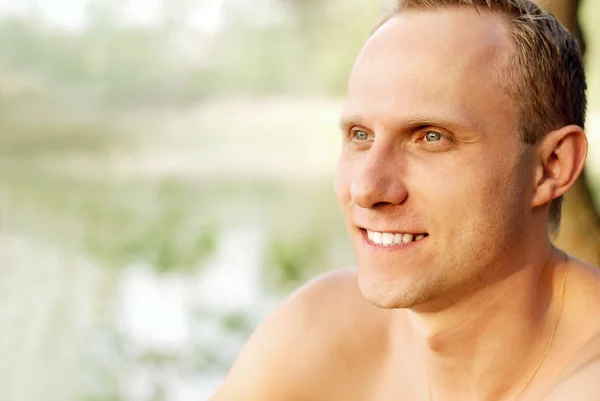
{"x": 398, "y": 239}
{"x": 388, "y": 239}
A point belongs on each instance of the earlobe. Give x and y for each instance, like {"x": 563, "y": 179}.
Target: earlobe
{"x": 561, "y": 158}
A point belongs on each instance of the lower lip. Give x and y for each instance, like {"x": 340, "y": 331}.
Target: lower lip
{"x": 390, "y": 248}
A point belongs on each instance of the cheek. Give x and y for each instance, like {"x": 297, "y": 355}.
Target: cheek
{"x": 497, "y": 207}
{"x": 476, "y": 195}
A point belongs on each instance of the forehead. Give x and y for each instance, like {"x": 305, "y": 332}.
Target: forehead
{"x": 443, "y": 63}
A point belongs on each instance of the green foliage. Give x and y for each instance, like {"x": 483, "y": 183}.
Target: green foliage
{"x": 115, "y": 224}
{"x": 295, "y": 260}
{"x": 156, "y": 223}
{"x": 589, "y": 15}
{"x": 169, "y": 236}
{"x": 301, "y": 241}
{"x": 309, "y": 49}
{"x": 236, "y": 323}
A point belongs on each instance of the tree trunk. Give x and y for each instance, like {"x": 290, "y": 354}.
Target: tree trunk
{"x": 580, "y": 227}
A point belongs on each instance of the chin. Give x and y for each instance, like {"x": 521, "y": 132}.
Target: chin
{"x": 390, "y": 293}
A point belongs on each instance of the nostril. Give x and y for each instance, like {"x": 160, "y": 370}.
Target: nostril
{"x": 379, "y": 205}
{"x": 384, "y": 205}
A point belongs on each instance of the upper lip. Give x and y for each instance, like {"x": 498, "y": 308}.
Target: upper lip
{"x": 394, "y": 230}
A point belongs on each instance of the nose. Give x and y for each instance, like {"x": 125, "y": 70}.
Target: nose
{"x": 379, "y": 179}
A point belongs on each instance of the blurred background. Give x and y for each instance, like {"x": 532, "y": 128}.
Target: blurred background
{"x": 165, "y": 180}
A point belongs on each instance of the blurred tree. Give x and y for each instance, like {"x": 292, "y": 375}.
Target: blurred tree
{"x": 175, "y": 13}
{"x": 328, "y": 36}
{"x": 580, "y": 228}
{"x": 105, "y": 14}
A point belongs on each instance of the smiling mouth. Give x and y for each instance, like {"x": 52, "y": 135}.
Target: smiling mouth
{"x": 391, "y": 239}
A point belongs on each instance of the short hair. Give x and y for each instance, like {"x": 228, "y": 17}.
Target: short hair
{"x": 545, "y": 75}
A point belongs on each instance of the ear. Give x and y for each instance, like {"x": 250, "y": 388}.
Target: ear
{"x": 560, "y": 159}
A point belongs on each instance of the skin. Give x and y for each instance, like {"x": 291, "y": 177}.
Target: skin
{"x": 431, "y": 147}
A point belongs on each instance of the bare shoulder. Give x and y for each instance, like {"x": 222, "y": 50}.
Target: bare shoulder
{"x": 581, "y": 316}
{"x": 582, "y": 385}
{"x": 296, "y": 349}
{"x": 582, "y": 298}
{"x": 586, "y": 279}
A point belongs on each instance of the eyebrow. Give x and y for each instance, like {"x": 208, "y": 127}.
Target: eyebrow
{"x": 413, "y": 122}
{"x": 346, "y": 120}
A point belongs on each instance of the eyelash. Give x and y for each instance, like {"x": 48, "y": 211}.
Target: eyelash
{"x": 353, "y": 133}
{"x": 427, "y": 131}
{"x": 423, "y": 133}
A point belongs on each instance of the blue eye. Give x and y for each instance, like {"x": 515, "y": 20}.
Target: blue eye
{"x": 361, "y": 135}
{"x": 432, "y": 136}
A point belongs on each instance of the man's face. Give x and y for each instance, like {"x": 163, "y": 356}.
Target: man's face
{"x": 431, "y": 149}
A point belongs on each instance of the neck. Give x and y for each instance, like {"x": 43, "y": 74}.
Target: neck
{"x": 486, "y": 345}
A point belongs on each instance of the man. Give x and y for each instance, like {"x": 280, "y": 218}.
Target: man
{"x": 462, "y": 130}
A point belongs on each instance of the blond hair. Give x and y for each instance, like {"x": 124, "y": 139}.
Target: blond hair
{"x": 545, "y": 77}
